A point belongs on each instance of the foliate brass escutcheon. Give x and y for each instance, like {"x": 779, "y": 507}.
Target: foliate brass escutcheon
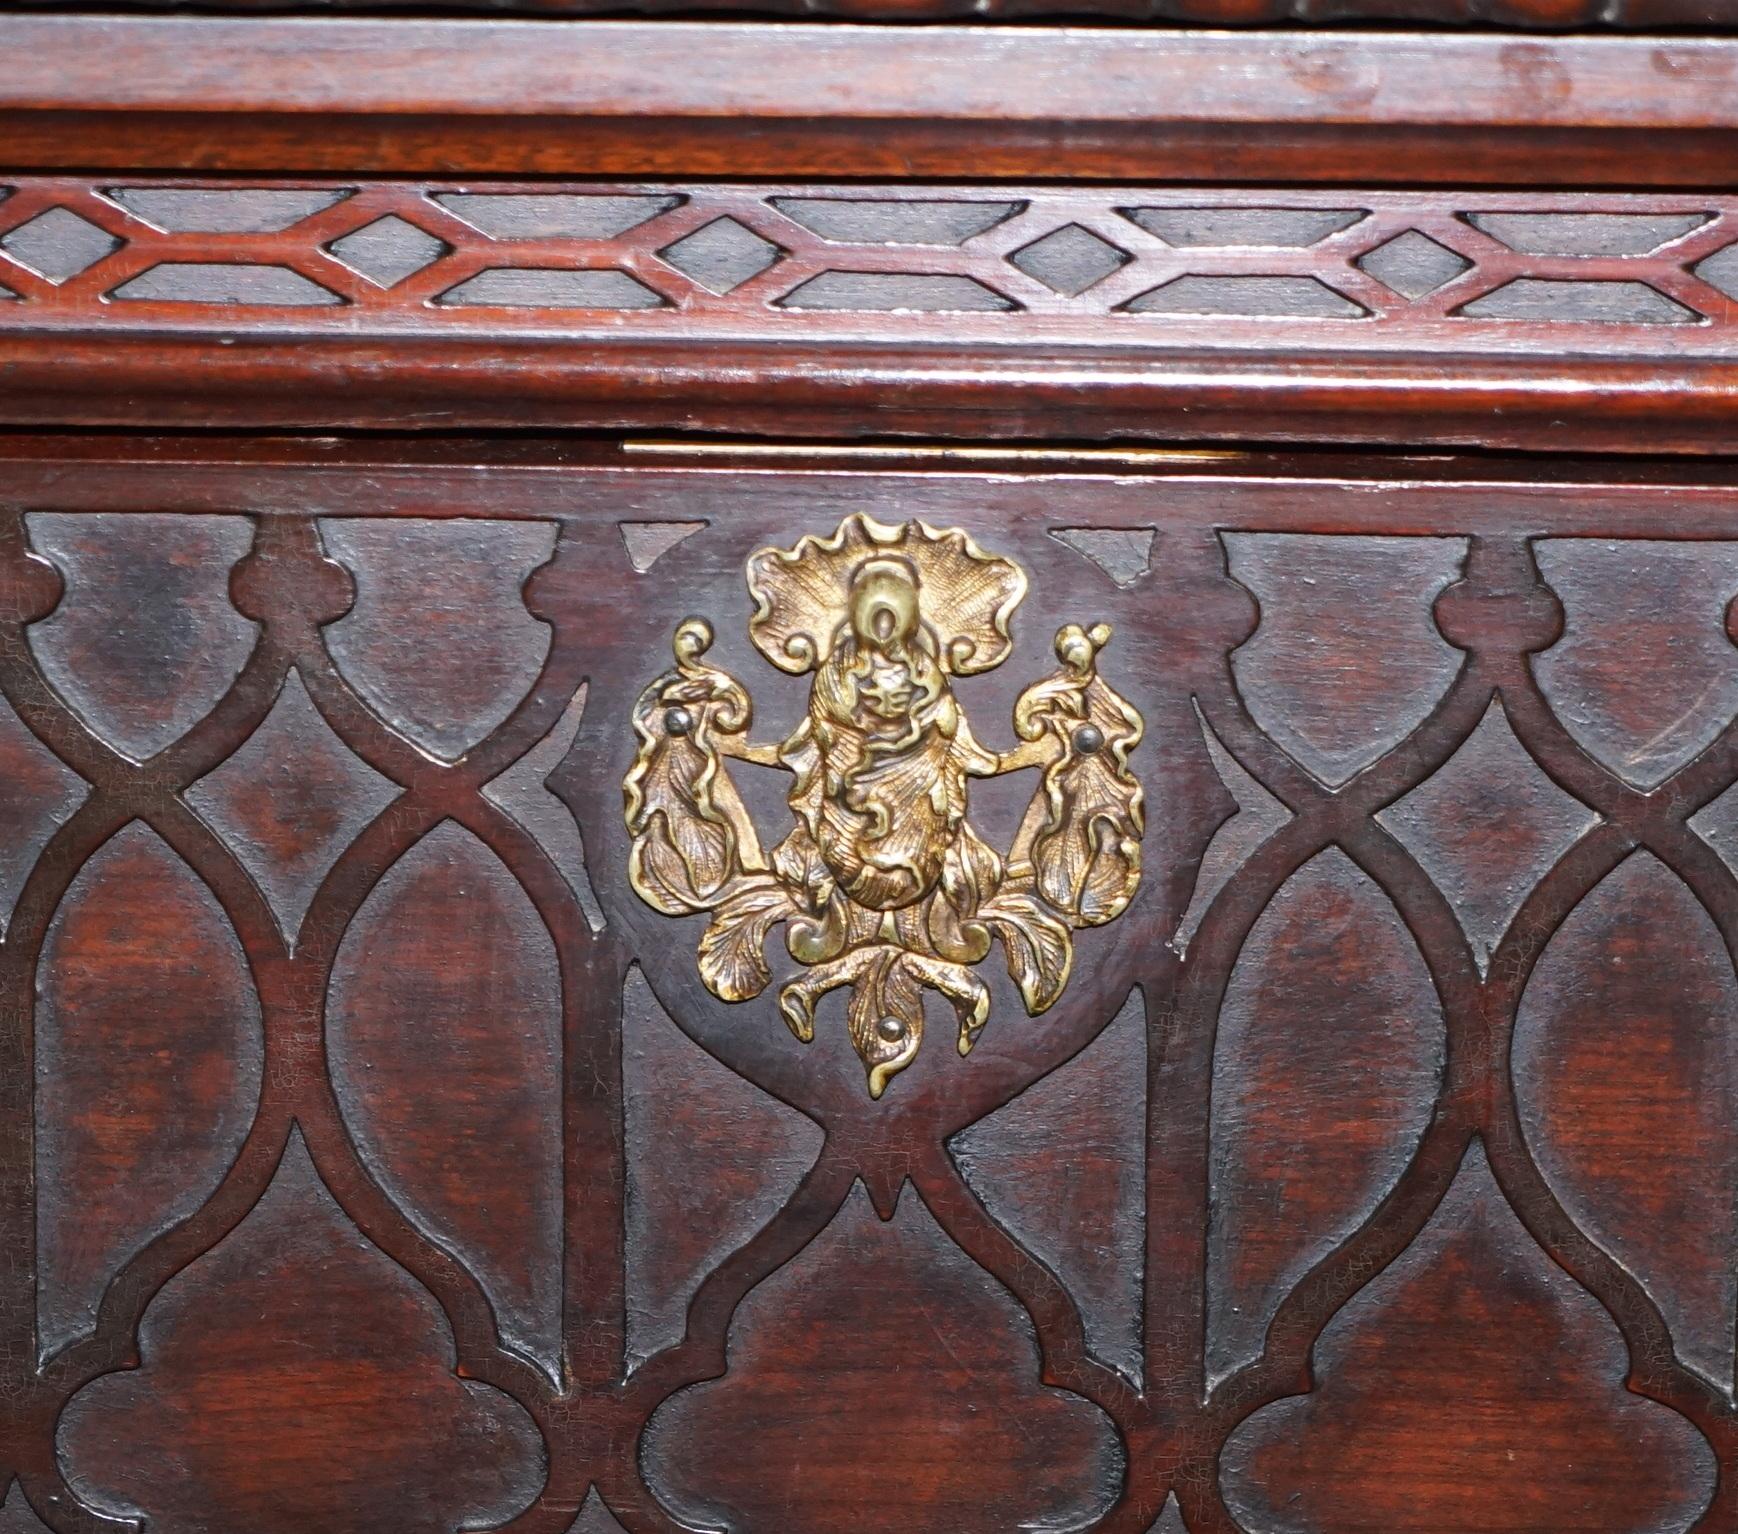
{"x": 883, "y": 886}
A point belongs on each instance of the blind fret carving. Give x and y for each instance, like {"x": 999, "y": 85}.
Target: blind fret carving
{"x": 1124, "y": 266}
{"x": 1353, "y": 1155}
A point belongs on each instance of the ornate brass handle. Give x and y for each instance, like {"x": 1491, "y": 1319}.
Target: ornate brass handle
{"x": 883, "y": 885}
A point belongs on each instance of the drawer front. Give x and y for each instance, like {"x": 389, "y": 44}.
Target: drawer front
{"x": 687, "y": 990}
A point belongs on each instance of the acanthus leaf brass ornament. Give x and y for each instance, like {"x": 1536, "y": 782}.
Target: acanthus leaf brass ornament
{"x": 883, "y": 886}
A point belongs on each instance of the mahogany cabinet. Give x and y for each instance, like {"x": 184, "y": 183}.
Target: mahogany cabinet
{"x": 883, "y": 778}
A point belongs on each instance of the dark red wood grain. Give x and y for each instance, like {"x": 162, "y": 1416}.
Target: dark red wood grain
{"x": 373, "y": 1160}
{"x": 1535, "y": 1370}
{"x": 729, "y": 99}
{"x": 296, "y": 1376}
{"x": 1328, "y": 1216}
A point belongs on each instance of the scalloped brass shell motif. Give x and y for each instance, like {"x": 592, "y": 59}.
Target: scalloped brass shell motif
{"x": 883, "y": 886}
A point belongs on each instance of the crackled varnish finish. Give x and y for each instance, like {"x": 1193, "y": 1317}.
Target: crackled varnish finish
{"x": 375, "y": 1158}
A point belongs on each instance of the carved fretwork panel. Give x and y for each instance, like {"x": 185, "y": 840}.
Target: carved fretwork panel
{"x": 1540, "y": 320}
{"x": 1458, "y": 269}
{"x": 1114, "y": 994}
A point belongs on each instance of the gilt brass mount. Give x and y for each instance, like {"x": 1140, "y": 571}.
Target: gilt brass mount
{"x": 883, "y": 886}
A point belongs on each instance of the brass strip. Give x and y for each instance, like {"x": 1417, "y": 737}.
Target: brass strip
{"x": 683, "y": 448}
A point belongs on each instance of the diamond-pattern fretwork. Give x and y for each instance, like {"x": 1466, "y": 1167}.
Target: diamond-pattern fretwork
{"x": 721, "y": 256}
{"x": 58, "y": 245}
{"x": 1422, "y": 271}
{"x": 388, "y": 250}
{"x": 1413, "y": 264}
{"x": 1071, "y": 260}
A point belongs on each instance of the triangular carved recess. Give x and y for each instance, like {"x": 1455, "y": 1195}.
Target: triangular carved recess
{"x": 594, "y": 1518}
{"x": 17, "y": 1516}
{"x": 1258, "y": 816}
{"x": 1125, "y": 554}
{"x": 648, "y": 542}
{"x": 1717, "y": 824}
{"x": 523, "y": 793}
{"x": 1170, "y": 1518}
